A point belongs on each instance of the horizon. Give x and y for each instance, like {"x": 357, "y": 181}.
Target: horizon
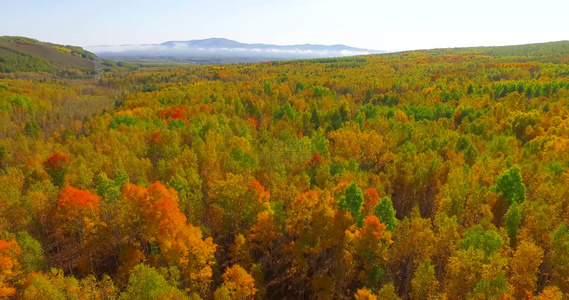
{"x": 365, "y": 24}
{"x": 338, "y": 44}
{"x": 263, "y": 43}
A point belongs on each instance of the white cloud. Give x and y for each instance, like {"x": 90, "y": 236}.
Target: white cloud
{"x": 182, "y": 48}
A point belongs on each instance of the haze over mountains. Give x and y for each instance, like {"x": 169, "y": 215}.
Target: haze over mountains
{"x": 220, "y": 50}
{"x": 22, "y": 54}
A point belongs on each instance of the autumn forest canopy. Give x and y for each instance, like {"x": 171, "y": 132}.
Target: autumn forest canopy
{"x": 439, "y": 174}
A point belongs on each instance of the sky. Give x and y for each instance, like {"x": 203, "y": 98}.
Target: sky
{"x": 380, "y": 25}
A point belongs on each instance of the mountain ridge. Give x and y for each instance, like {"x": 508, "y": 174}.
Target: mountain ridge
{"x": 225, "y": 40}
{"x": 223, "y": 50}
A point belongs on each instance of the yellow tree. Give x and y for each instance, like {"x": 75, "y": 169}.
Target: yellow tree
{"x": 549, "y": 293}
{"x": 424, "y": 284}
{"x": 387, "y": 292}
{"x": 364, "y": 294}
{"x": 524, "y": 267}
{"x": 414, "y": 242}
{"x": 317, "y": 244}
{"x": 237, "y": 285}
{"x": 9, "y": 267}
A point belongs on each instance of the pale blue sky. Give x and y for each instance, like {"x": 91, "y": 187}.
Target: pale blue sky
{"x": 381, "y": 25}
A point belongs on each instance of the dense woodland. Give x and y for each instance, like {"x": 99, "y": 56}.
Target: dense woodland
{"x": 438, "y": 174}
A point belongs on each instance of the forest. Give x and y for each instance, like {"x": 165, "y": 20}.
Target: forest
{"x": 438, "y": 174}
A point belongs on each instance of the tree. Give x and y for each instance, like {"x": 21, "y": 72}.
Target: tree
{"x": 511, "y": 186}
{"x": 10, "y": 253}
{"x": 524, "y": 125}
{"x": 447, "y": 237}
{"x": 424, "y": 284}
{"x": 314, "y": 119}
{"x": 370, "y": 247}
{"x": 352, "y": 201}
{"x": 335, "y": 120}
{"x": 237, "y": 285}
{"x": 414, "y": 242}
{"x": 549, "y": 293}
{"x": 385, "y": 212}
{"x": 478, "y": 268}
{"x": 152, "y": 215}
{"x": 52, "y": 286}
{"x": 2, "y": 155}
{"x": 513, "y": 220}
{"x": 365, "y": 294}
{"x": 77, "y": 212}
{"x": 559, "y": 258}
{"x": 110, "y": 189}
{"x": 32, "y": 129}
{"x": 317, "y": 231}
{"x": 343, "y": 113}
{"x": 146, "y": 283}
{"x": 78, "y": 225}
{"x": 264, "y": 234}
{"x": 56, "y": 167}
{"x": 371, "y": 199}
{"x": 524, "y": 267}
{"x": 55, "y": 286}
{"x": 387, "y": 292}
{"x": 32, "y": 259}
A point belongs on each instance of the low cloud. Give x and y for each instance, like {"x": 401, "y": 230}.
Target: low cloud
{"x": 181, "y": 49}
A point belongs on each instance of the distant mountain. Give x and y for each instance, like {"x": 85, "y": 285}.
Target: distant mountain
{"x": 20, "y": 54}
{"x": 219, "y": 50}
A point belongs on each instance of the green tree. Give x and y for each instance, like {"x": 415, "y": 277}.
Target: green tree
{"x": 513, "y": 221}
{"x": 145, "y": 283}
{"x": 511, "y": 186}
{"x": 343, "y": 113}
{"x": 336, "y": 120}
{"x": 314, "y": 119}
{"x": 2, "y": 155}
{"x": 32, "y": 129}
{"x": 32, "y": 259}
{"x": 352, "y": 201}
{"x": 488, "y": 242}
{"x": 386, "y": 214}
{"x": 268, "y": 88}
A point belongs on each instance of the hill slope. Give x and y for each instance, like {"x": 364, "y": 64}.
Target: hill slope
{"x": 551, "y": 51}
{"x": 19, "y": 54}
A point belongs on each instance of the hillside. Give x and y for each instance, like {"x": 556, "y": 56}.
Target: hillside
{"x": 552, "y": 51}
{"x": 428, "y": 174}
{"x": 19, "y": 54}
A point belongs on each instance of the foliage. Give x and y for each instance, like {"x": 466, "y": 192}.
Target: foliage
{"x": 32, "y": 259}
{"x": 352, "y": 201}
{"x": 379, "y": 177}
{"x": 386, "y": 214}
{"x": 511, "y": 186}
{"x": 9, "y": 267}
{"x": 146, "y": 283}
{"x": 513, "y": 220}
{"x": 56, "y": 166}
{"x": 128, "y": 120}
{"x": 237, "y": 284}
